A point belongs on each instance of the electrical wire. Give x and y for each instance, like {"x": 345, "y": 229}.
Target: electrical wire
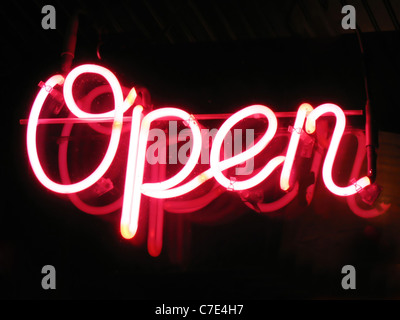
{"x": 370, "y": 142}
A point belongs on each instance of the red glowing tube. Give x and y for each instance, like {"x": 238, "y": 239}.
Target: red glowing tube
{"x": 133, "y": 196}
{"x": 180, "y": 190}
{"x": 64, "y": 175}
{"x": 333, "y": 147}
{"x": 227, "y": 163}
{"x": 192, "y": 205}
{"x": 215, "y": 163}
{"x": 351, "y": 200}
{"x": 196, "y": 146}
{"x": 303, "y": 111}
{"x": 277, "y": 204}
{"x": 156, "y": 217}
{"x": 63, "y": 163}
{"x": 176, "y": 185}
{"x": 155, "y": 230}
{"x": 95, "y": 122}
{"x": 130, "y": 176}
{"x": 114, "y": 139}
{"x": 32, "y": 128}
{"x": 111, "y": 79}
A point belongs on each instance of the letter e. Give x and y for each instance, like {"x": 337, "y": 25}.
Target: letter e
{"x": 349, "y": 281}
{"x": 49, "y": 20}
{"x": 49, "y": 280}
{"x": 349, "y": 20}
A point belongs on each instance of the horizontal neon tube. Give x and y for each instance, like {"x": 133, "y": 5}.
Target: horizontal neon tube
{"x": 332, "y": 150}
{"x": 199, "y": 116}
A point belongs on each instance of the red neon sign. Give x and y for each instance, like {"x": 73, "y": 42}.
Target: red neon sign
{"x": 306, "y": 120}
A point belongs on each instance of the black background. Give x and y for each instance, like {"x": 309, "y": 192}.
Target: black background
{"x": 248, "y": 256}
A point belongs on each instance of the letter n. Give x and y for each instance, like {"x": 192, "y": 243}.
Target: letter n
{"x": 49, "y": 20}
{"x": 49, "y": 280}
{"x": 349, "y": 280}
{"x": 349, "y": 20}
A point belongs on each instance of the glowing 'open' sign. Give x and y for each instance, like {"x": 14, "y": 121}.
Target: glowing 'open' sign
{"x": 176, "y": 186}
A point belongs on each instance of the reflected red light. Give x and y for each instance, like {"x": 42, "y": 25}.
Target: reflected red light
{"x": 178, "y": 185}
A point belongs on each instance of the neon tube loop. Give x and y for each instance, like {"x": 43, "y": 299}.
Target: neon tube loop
{"x": 351, "y": 201}
{"x": 111, "y": 79}
{"x": 332, "y": 150}
{"x": 246, "y": 155}
{"x": 117, "y": 113}
{"x": 175, "y": 186}
{"x": 64, "y": 175}
{"x": 63, "y": 163}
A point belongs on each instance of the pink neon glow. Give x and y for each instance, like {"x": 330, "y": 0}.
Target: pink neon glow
{"x": 114, "y": 139}
{"x": 332, "y": 150}
{"x": 64, "y": 175}
{"x": 186, "y": 206}
{"x": 88, "y": 99}
{"x": 303, "y": 111}
{"x": 380, "y": 208}
{"x": 228, "y": 163}
{"x": 277, "y": 204}
{"x": 63, "y": 163}
{"x": 249, "y": 153}
{"x": 180, "y": 190}
{"x": 129, "y": 229}
{"x": 126, "y": 215}
{"x": 156, "y": 216}
{"x": 31, "y": 133}
{"x": 195, "y": 152}
{"x": 176, "y": 185}
{"x": 112, "y": 80}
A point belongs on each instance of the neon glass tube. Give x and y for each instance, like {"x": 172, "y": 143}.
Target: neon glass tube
{"x": 332, "y": 150}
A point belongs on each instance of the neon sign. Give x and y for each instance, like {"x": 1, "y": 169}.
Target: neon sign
{"x": 183, "y": 182}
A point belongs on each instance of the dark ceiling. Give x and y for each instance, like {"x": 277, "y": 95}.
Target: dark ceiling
{"x": 150, "y": 31}
{"x": 146, "y": 24}
{"x": 191, "y": 21}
